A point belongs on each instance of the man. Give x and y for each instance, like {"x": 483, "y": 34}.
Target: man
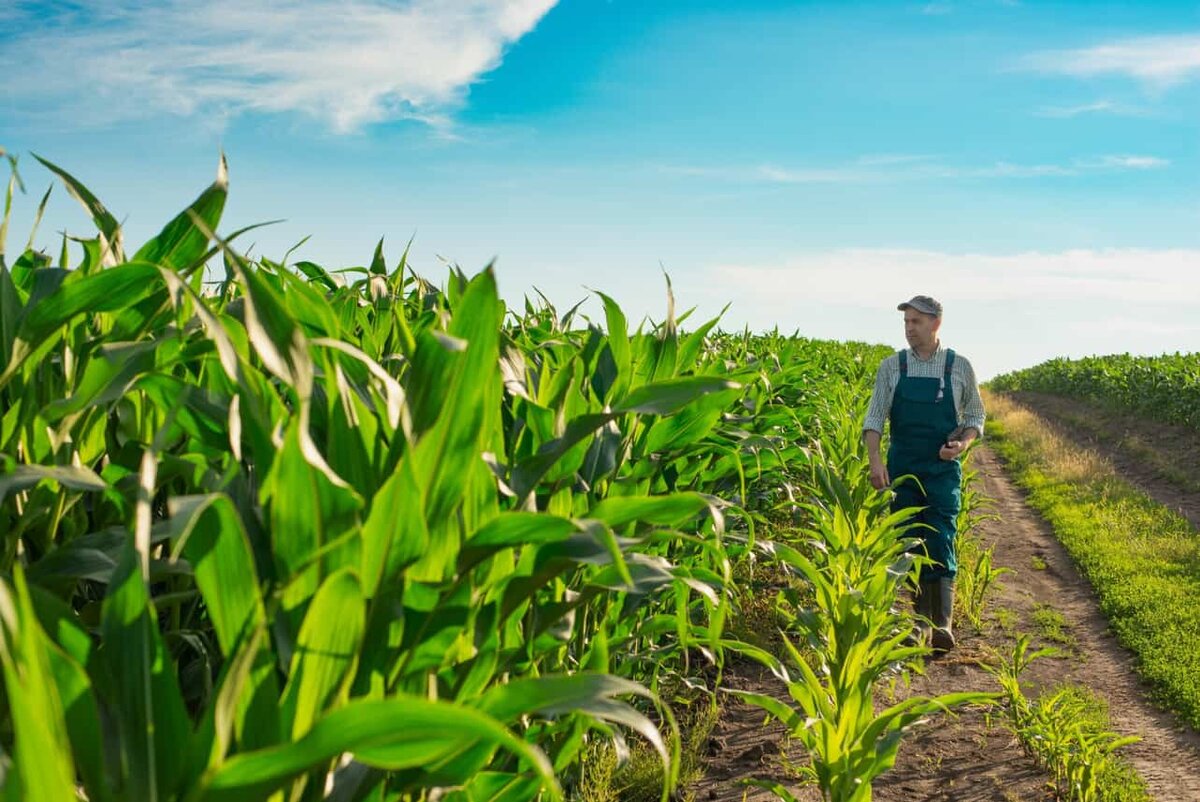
{"x": 930, "y": 396}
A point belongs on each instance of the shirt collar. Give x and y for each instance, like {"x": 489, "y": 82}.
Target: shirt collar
{"x": 936, "y": 353}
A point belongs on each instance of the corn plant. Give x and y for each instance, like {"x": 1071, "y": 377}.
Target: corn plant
{"x": 296, "y": 516}
{"x": 976, "y": 573}
{"x": 1054, "y": 730}
{"x": 856, "y": 562}
{"x": 338, "y": 533}
{"x": 1165, "y": 387}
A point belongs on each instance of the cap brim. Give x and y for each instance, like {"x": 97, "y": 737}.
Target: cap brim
{"x": 907, "y": 305}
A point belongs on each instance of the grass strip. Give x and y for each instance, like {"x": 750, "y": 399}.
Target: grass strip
{"x": 1142, "y": 559}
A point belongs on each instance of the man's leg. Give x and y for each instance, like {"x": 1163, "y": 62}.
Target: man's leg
{"x": 909, "y": 494}
{"x": 945, "y": 500}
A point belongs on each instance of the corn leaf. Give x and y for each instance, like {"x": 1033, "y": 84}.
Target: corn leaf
{"x": 103, "y": 219}
{"x": 397, "y": 733}
{"x": 182, "y": 243}
{"x": 326, "y": 652}
{"x": 142, "y": 686}
{"x": 45, "y": 770}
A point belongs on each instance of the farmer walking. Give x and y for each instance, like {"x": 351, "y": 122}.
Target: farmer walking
{"x": 930, "y": 396}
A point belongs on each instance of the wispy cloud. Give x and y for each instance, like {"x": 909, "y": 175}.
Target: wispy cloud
{"x": 1131, "y": 162}
{"x": 1098, "y": 107}
{"x": 901, "y": 167}
{"x": 1158, "y": 60}
{"x": 873, "y": 159}
{"x": 770, "y": 174}
{"x": 348, "y": 63}
{"x": 936, "y": 9}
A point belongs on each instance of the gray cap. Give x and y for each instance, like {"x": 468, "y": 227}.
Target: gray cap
{"x": 922, "y": 303}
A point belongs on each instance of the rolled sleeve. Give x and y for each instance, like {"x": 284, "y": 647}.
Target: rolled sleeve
{"x": 881, "y": 400}
{"x": 973, "y": 414}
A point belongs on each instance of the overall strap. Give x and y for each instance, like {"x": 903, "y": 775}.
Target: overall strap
{"x": 949, "y": 363}
{"x": 903, "y": 363}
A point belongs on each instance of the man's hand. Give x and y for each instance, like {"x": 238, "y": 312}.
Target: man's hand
{"x": 879, "y": 472}
{"x": 879, "y": 475}
{"x": 952, "y": 450}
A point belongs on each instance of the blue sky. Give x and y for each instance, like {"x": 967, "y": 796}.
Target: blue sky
{"x": 1037, "y": 166}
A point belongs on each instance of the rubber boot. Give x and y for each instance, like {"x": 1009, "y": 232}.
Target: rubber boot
{"x": 923, "y": 609}
{"x": 943, "y": 614}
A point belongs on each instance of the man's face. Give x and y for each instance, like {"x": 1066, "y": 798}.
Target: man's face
{"x": 920, "y": 329}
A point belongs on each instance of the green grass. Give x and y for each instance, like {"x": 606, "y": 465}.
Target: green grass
{"x": 1052, "y": 626}
{"x": 1038, "y": 563}
{"x": 1007, "y": 620}
{"x": 606, "y": 778}
{"x": 1141, "y": 559}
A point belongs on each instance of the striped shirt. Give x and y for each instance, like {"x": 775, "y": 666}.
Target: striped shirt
{"x": 967, "y": 402}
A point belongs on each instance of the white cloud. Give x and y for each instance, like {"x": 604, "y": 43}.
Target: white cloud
{"x": 771, "y": 174}
{"x": 900, "y": 167}
{"x": 347, "y": 63}
{"x": 1098, "y": 107}
{"x": 1132, "y": 162}
{"x": 873, "y": 159}
{"x": 874, "y": 277}
{"x": 1140, "y": 326}
{"x": 1158, "y": 60}
{"x": 1004, "y": 311}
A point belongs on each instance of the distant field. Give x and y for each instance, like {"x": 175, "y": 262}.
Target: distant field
{"x": 1165, "y": 388}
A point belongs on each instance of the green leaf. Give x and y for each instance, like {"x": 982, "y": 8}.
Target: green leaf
{"x": 671, "y": 395}
{"x": 669, "y": 510}
{"x": 378, "y": 263}
{"x": 394, "y": 535}
{"x": 446, "y": 454}
{"x": 23, "y": 477}
{"x": 10, "y": 312}
{"x": 103, "y": 291}
{"x": 314, "y": 272}
{"x": 143, "y": 689}
{"x": 103, "y": 219}
{"x": 510, "y": 529}
{"x": 83, "y": 722}
{"x": 183, "y": 242}
{"x": 618, "y": 343}
{"x": 527, "y": 474}
{"x": 245, "y": 671}
{"x": 401, "y": 732}
{"x": 556, "y": 695}
{"x": 43, "y": 751}
{"x": 689, "y": 425}
{"x": 208, "y": 532}
{"x": 276, "y": 338}
{"x": 110, "y": 370}
{"x": 309, "y": 514}
{"x": 326, "y": 652}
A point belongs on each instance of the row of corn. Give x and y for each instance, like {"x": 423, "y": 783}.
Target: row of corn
{"x": 283, "y": 532}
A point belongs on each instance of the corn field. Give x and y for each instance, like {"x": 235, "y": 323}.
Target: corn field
{"x": 302, "y": 533}
{"x": 1165, "y": 388}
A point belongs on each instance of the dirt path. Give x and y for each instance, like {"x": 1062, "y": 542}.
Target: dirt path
{"x": 968, "y": 757}
{"x": 1160, "y": 459}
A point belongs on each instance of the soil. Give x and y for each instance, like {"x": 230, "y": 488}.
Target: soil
{"x": 970, "y": 756}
